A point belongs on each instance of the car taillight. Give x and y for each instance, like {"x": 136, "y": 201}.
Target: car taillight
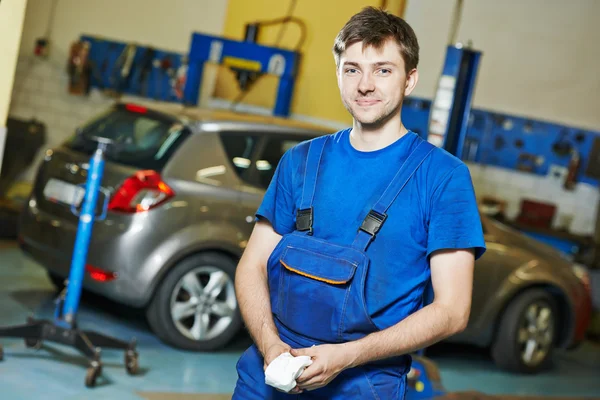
{"x": 100, "y": 275}
{"x": 140, "y": 192}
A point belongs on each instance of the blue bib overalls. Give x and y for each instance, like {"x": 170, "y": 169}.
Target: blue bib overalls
{"x": 317, "y": 293}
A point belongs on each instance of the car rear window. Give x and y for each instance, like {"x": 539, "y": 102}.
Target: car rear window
{"x": 142, "y": 139}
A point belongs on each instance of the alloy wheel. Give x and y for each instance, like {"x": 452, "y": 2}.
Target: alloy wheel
{"x": 203, "y": 303}
{"x": 536, "y": 333}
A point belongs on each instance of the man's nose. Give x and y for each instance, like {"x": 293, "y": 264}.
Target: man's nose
{"x": 366, "y": 84}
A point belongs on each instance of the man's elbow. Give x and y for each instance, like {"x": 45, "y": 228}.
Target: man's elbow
{"x": 460, "y": 320}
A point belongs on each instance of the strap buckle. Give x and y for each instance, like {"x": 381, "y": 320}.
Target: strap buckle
{"x": 304, "y": 220}
{"x": 373, "y": 222}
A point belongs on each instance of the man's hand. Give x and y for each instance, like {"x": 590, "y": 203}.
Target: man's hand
{"x": 273, "y": 351}
{"x": 329, "y": 360}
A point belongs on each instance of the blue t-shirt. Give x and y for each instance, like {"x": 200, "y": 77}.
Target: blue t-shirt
{"x": 436, "y": 210}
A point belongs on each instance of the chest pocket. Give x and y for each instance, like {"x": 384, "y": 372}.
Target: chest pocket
{"x": 318, "y": 289}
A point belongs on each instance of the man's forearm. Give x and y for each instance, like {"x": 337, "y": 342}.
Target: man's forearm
{"x": 425, "y": 327}
{"x": 255, "y": 306}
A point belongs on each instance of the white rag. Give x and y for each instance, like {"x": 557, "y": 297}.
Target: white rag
{"x": 283, "y": 371}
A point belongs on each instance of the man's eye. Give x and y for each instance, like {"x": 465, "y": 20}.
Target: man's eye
{"x": 351, "y": 71}
{"x": 385, "y": 71}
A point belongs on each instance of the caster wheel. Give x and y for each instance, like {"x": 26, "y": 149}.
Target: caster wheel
{"x": 33, "y": 343}
{"x": 92, "y": 375}
{"x": 131, "y": 362}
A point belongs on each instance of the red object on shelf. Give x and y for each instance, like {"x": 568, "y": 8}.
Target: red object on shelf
{"x": 536, "y": 214}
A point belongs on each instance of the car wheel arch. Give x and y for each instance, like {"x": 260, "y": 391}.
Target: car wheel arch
{"x": 188, "y": 253}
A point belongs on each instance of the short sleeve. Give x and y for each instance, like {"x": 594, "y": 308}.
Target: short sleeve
{"x": 454, "y": 221}
{"x": 278, "y": 206}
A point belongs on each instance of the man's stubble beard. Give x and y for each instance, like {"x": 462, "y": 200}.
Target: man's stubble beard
{"x": 381, "y": 119}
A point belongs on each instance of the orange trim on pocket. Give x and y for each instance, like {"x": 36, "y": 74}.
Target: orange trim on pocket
{"x": 317, "y": 278}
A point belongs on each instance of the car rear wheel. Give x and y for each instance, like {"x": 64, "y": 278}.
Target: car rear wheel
{"x": 195, "y": 306}
{"x": 525, "y": 338}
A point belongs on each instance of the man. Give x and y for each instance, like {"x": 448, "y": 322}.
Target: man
{"x": 352, "y": 228}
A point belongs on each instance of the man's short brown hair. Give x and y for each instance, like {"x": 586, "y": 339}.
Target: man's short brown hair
{"x": 374, "y": 27}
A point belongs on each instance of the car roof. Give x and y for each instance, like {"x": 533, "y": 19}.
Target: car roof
{"x": 199, "y": 114}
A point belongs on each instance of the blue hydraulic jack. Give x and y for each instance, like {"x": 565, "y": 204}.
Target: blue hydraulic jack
{"x": 64, "y": 328}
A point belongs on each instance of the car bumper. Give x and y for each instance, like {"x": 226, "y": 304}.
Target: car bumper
{"x": 49, "y": 242}
{"x": 583, "y": 318}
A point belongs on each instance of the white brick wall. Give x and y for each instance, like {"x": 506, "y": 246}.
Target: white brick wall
{"x": 41, "y": 92}
{"x": 580, "y": 205}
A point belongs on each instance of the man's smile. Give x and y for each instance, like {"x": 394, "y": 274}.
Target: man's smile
{"x": 366, "y": 102}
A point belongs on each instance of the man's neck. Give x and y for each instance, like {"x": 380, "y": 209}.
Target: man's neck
{"x": 366, "y": 138}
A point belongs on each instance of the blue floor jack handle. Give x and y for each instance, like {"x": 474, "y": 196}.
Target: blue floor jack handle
{"x": 63, "y": 329}
{"x": 84, "y": 234}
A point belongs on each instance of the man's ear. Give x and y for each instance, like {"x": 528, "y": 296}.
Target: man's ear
{"x": 411, "y": 81}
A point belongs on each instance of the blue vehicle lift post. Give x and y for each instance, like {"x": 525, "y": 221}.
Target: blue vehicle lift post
{"x": 64, "y": 329}
{"x": 451, "y": 107}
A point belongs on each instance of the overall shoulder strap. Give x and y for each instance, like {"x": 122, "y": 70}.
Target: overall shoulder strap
{"x": 377, "y": 216}
{"x": 304, "y": 215}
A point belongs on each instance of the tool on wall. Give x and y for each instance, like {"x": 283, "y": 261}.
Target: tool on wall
{"x": 165, "y": 73}
{"x": 78, "y": 68}
{"x": 146, "y": 70}
{"x": 179, "y": 81}
{"x": 562, "y": 147}
{"x": 572, "y": 170}
{"x": 121, "y": 71}
{"x": 527, "y": 162}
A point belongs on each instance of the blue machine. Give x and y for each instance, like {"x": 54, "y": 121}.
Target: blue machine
{"x": 245, "y": 57}
{"x": 64, "y": 328}
{"x": 449, "y": 114}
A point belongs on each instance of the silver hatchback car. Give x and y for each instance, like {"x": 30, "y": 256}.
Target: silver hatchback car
{"x": 183, "y": 188}
{"x": 184, "y": 185}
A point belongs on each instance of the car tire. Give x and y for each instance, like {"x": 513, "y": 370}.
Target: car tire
{"x": 172, "y": 293}
{"x": 526, "y": 334}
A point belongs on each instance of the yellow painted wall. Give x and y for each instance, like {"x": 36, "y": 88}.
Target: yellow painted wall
{"x": 12, "y": 13}
{"x": 316, "y": 94}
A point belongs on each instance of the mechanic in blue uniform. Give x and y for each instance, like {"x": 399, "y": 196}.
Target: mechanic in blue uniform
{"x": 351, "y": 230}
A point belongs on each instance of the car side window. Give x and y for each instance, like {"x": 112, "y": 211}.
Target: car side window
{"x": 240, "y": 148}
{"x": 274, "y": 148}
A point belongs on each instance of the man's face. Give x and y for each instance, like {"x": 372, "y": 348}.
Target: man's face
{"x": 373, "y": 82}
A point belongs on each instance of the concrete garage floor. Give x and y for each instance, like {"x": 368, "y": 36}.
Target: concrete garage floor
{"x": 57, "y": 372}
